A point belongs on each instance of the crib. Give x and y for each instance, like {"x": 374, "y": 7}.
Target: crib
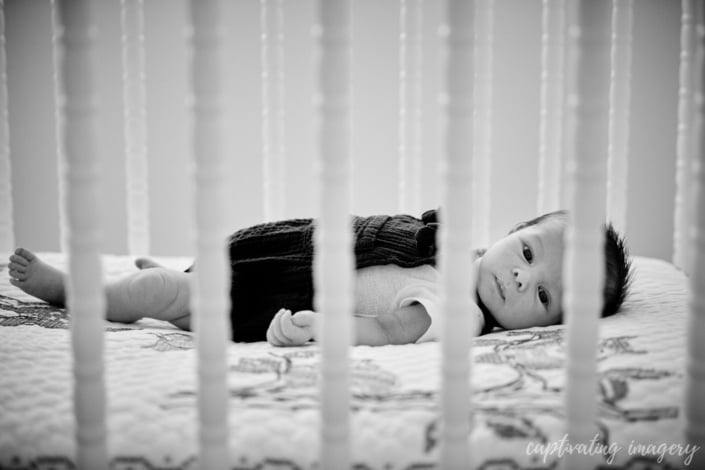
{"x": 619, "y": 392}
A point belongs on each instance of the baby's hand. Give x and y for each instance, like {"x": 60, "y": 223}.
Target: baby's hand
{"x": 286, "y": 329}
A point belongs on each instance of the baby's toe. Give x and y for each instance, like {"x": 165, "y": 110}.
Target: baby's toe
{"x": 18, "y": 260}
{"x": 18, "y": 274}
{"x": 17, "y": 268}
{"x": 25, "y": 254}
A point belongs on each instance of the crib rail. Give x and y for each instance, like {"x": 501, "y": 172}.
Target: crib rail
{"x": 695, "y": 362}
{"x": 210, "y": 299}
{"x": 273, "y": 109}
{"x": 456, "y": 234}
{"x": 7, "y": 235}
{"x": 551, "y": 113}
{"x": 135, "y": 110}
{"x": 333, "y": 260}
{"x": 620, "y": 99}
{"x": 76, "y": 97}
{"x": 411, "y": 59}
{"x": 685, "y": 149}
{"x": 584, "y": 275}
{"x": 585, "y": 83}
{"x": 482, "y": 134}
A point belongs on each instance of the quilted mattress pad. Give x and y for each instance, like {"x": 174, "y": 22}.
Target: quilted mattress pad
{"x": 518, "y": 385}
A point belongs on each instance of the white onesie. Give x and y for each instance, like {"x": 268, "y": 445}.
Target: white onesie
{"x": 382, "y": 289}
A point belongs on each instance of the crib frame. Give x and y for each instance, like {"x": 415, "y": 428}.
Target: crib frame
{"x": 579, "y": 36}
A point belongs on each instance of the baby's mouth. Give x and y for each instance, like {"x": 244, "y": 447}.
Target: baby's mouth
{"x": 500, "y": 289}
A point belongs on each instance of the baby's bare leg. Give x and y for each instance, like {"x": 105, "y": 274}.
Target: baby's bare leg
{"x": 158, "y": 293}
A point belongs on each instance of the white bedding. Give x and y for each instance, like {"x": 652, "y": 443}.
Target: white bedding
{"x": 517, "y": 380}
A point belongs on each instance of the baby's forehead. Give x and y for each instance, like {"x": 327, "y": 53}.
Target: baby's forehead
{"x": 550, "y": 226}
{"x": 549, "y": 238}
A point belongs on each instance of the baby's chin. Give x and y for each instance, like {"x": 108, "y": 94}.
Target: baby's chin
{"x": 485, "y": 300}
{"x": 484, "y": 288}
{"x": 492, "y": 305}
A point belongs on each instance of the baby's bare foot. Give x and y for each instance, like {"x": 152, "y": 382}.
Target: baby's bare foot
{"x": 37, "y": 278}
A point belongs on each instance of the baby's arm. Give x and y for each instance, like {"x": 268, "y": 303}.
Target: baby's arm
{"x": 402, "y": 326}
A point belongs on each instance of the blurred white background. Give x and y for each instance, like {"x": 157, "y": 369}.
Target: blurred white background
{"x": 375, "y": 115}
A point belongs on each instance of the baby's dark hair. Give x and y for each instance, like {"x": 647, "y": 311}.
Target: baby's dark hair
{"x": 617, "y": 264}
{"x": 618, "y": 272}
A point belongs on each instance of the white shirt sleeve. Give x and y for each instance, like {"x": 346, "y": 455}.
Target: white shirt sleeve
{"x": 427, "y": 296}
{"x": 423, "y": 289}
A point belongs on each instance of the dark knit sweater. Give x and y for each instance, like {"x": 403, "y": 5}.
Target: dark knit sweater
{"x": 272, "y": 263}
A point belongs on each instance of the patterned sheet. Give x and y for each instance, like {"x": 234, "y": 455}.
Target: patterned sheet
{"x": 518, "y": 388}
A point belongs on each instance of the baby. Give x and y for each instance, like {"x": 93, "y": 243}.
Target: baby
{"x": 519, "y": 281}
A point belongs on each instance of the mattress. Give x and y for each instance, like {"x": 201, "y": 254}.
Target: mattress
{"x": 518, "y": 385}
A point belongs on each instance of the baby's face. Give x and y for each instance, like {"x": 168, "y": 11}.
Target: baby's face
{"x": 519, "y": 277}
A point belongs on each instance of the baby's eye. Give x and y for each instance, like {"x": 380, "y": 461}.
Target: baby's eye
{"x": 543, "y": 296}
{"x": 527, "y": 253}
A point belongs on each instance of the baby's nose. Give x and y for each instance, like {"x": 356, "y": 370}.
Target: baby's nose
{"x": 521, "y": 277}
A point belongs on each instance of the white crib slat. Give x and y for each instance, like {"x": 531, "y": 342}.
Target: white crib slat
{"x": 620, "y": 98}
{"x": 686, "y": 135}
{"x": 552, "y": 99}
{"x": 456, "y": 257}
{"x": 7, "y": 235}
{"x": 75, "y": 37}
{"x": 333, "y": 261}
{"x": 584, "y": 260}
{"x": 482, "y": 154}
{"x": 135, "y": 115}
{"x": 273, "y": 110}
{"x": 695, "y": 362}
{"x": 410, "y": 105}
{"x": 211, "y": 282}
{"x": 57, "y": 30}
